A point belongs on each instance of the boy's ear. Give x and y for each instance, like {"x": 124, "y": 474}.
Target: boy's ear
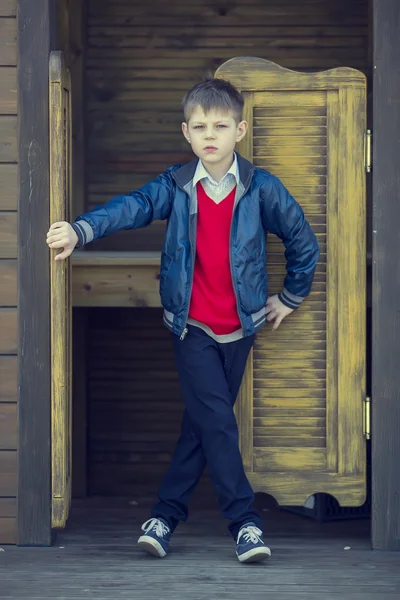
{"x": 241, "y": 130}
{"x": 185, "y": 131}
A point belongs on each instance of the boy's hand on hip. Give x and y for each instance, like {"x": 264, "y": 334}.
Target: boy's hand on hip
{"x": 62, "y": 235}
{"x": 276, "y": 311}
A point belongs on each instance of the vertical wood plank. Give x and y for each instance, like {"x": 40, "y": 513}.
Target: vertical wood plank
{"x": 333, "y": 124}
{"x": 35, "y": 37}
{"x": 352, "y": 280}
{"x": 386, "y": 279}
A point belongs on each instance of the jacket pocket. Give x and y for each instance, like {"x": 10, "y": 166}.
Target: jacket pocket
{"x": 166, "y": 263}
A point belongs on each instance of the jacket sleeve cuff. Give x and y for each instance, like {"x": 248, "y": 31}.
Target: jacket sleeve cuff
{"x": 84, "y": 232}
{"x": 289, "y": 299}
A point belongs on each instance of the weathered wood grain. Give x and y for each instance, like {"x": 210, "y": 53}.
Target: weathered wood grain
{"x": 98, "y": 552}
{"x": 8, "y": 234}
{"x": 8, "y": 140}
{"x": 134, "y": 97}
{"x": 8, "y": 90}
{"x": 332, "y": 117}
{"x": 36, "y": 31}
{"x": 8, "y": 426}
{"x": 60, "y": 127}
{"x": 8, "y": 379}
{"x": 8, "y": 185}
{"x": 8, "y": 473}
{"x": 8, "y": 330}
{"x": 8, "y": 41}
{"x": 386, "y": 283}
{"x": 8, "y": 283}
{"x": 8, "y": 8}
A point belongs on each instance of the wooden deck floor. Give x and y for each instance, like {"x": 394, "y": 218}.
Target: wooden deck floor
{"x": 96, "y": 557}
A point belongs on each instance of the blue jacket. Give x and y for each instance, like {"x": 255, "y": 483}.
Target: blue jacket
{"x": 262, "y": 205}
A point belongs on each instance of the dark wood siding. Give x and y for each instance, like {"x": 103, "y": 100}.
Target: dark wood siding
{"x": 386, "y": 281}
{"x": 8, "y": 270}
{"x": 141, "y": 58}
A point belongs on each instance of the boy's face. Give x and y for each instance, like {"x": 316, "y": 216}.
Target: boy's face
{"x": 213, "y": 135}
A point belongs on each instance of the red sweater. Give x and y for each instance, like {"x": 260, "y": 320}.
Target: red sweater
{"x": 213, "y": 300}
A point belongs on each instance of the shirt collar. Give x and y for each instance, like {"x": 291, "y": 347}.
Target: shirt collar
{"x": 202, "y": 173}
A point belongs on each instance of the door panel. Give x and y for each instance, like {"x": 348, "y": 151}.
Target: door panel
{"x": 60, "y": 286}
{"x": 300, "y": 408}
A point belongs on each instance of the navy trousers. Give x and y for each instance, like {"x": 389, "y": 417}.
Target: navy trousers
{"x": 210, "y": 375}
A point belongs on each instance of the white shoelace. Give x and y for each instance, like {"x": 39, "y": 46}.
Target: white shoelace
{"x": 159, "y": 528}
{"x": 250, "y": 534}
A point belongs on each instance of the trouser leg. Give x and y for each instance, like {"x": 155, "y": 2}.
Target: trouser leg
{"x": 210, "y": 375}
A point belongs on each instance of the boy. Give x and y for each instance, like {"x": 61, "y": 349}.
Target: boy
{"x": 213, "y": 287}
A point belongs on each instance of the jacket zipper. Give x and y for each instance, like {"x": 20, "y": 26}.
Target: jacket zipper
{"x": 185, "y": 330}
{"x": 193, "y": 253}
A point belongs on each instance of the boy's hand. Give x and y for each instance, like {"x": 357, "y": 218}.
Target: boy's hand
{"x": 276, "y": 311}
{"x": 62, "y": 235}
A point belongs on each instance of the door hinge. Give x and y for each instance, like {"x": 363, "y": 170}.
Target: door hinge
{"x": 368, "y": 150}
{"x": 367, "y": 418}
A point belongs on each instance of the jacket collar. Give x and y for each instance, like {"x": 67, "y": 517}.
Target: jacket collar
{"x": 185, "y": 174}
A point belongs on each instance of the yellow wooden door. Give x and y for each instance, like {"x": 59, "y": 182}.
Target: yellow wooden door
{"x": 300, "y": 410}
{"x": 60, "y": 285}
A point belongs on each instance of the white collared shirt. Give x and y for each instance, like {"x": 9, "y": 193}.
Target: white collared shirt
{"x": 217, "y": 191}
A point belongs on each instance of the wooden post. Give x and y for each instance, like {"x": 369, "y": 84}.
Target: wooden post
{"x": 386, "y": 278}
{"x": 35, "y": 39}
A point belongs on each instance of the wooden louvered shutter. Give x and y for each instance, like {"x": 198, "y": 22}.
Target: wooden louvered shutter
{"x": 300, "y": 410}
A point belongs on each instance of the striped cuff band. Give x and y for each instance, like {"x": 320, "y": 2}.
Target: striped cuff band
{"x": 290, "y": 300}
{"x": 84, "y": 232}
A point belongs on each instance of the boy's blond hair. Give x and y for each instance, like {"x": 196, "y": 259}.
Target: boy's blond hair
{"x": 213, "y": 93}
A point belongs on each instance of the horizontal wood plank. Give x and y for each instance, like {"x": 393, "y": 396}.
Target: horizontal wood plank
{"x": 8, "y": 330}
{"x": 116, "y": 286}
{"x": 8, "y": 530}
{"x": 8, "y": 138}
{"x": 8, "y": 8}
{"x": 8, "y": 41}
{"x": 8, "y": 379}
{"x": 8, "y": 90}
{"x": 8, "y": 507}
{"x": 289, "y": 459}
{"x": 8, "y": 186}
{"x": 8, "y": 282}
{"x": 8, "y": 234}
{"x": 8, "y": 473}
{"x": 8, "y": 426}
{"x": 289, "y": 488}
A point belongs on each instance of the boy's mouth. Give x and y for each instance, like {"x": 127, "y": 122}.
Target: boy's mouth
{"x": 210, "y": 149}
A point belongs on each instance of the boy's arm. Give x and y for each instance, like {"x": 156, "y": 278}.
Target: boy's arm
{"x": 138, "y": 209}
{"x": 284, "y": 217}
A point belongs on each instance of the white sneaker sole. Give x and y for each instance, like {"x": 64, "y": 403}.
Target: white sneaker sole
{"x": 255, "y": 555}
{"x": 151, "y": 546}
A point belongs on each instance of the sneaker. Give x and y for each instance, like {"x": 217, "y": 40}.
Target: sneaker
{"x": 156, "y": 537}
{"x": 250, "y": 546}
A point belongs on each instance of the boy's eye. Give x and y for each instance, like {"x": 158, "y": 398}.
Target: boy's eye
{"x": 202, "y": 126}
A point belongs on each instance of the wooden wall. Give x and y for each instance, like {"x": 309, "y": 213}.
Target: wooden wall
{"x": 141, "y": 58}
{"x": 8, "y": 270}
